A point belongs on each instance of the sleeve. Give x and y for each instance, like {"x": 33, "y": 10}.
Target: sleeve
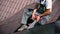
{"x": 37, "y": 1}
{"x": 49, "y": 4}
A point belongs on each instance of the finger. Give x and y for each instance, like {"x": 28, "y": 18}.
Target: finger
{"x": 32, "y": 18}
{"x": 38, "y": 19}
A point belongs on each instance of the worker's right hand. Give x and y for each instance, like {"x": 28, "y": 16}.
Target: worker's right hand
{"x": 33, "y": 17}
{"x": 33, "y": 14}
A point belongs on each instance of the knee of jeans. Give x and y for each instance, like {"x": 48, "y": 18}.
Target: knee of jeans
{"x": 43, "y": 21}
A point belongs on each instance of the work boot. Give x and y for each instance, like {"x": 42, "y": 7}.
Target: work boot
{"x": 22, "y": 28}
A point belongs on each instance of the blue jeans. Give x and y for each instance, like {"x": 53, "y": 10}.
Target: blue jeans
{"x": 28, "y": 13}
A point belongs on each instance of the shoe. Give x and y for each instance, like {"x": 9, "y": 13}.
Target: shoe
{"x": 22, "y": 28}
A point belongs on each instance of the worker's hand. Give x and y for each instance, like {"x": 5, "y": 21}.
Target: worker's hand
{"x": 33, "y": 17}
{"x": 33, "y": 14}
{"x": 38, "y": 18}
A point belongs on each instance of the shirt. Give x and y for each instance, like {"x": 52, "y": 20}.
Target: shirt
{"x": 48, "y": 3}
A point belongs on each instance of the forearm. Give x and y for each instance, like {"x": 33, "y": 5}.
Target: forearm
{"x": 45, "y": 13}
{"x": 35, "y": 8}
{"x": 34, "y": 11}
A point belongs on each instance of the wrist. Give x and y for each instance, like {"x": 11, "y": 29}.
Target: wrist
{"x": 40, "y": 15}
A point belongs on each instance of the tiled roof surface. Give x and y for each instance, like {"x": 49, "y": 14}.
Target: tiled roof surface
{"x": 10, "y": 7}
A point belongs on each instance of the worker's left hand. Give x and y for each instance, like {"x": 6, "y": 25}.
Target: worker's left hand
{"x": 38, "y": 18}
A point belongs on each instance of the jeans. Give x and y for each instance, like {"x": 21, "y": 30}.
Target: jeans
{"x": 27, "y": 13}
